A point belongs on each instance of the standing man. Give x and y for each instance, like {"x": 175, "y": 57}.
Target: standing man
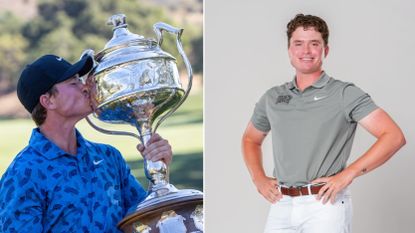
{"x": 313, "y": 120}
{"x": 61, "y": 182}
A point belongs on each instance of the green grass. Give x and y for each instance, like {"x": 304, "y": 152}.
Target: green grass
{"x": 183, "y": 130}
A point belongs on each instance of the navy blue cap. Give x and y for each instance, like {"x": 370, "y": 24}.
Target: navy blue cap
{"x": 40, "y": 76}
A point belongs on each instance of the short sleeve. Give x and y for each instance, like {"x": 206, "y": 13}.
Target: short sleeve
{"x": 260, "y": 118}
{"x": 20, "y": 202}
{"x": 357, "y": 103}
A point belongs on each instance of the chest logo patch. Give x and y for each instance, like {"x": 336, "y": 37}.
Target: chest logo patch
{"x": 96, "y": 162}
{"x": 283, "y": 99}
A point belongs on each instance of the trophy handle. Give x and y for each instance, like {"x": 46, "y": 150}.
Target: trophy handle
{"x": 158, "y": 29}
{"x": 111, "y": 132}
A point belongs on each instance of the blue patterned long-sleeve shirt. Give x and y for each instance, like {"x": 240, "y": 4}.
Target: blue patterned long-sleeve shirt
{"x": 47, "y": 190}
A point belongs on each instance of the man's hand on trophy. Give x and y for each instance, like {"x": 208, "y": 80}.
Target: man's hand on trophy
{"x": 156, "y": 149}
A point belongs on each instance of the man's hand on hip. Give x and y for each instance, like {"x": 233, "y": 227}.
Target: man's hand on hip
{"x": 268, "y": 187}
{"x": 334, "y": 184}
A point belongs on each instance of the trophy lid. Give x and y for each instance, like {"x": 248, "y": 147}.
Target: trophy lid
{"x": 125, "y": 47}
{"x": 121, "y": 34}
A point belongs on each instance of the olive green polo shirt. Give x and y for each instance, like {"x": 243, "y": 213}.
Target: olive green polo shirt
{"x": 313, "y": 130}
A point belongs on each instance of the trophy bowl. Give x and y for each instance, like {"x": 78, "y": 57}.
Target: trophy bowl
{"x": 135, "y": 82}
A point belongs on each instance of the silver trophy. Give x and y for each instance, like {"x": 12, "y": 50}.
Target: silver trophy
{"x": 135, "y": 82}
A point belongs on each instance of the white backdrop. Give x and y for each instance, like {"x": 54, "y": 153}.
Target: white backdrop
{"x": 372, "y": 43}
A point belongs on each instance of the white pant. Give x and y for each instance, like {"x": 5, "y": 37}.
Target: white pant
{"x": 304, "y": 214}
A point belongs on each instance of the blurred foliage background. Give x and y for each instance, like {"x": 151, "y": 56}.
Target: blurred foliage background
{"x": 32, "y": 28}
{"x": 67, "y": 27}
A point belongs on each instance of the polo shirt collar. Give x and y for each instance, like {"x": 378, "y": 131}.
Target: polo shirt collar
{"x": 50, "y": 150}
{"x": 320, "y": 83}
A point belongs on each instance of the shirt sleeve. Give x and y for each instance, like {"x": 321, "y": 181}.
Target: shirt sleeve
{"x": 20, "y": 202}
{"x": 260, "y": 118}
{"x": 357, "y": 103}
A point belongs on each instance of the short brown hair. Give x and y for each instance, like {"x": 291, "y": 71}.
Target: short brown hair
{"x": 307, "y": 21}
{"x": 39, "y": 113}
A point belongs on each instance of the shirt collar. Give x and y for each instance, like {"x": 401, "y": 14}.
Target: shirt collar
{"x": 320, "y": 83}
{"x": 50, "y": 150}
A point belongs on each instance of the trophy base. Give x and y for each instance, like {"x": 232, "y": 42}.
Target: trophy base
{"x": 179, "y": 211}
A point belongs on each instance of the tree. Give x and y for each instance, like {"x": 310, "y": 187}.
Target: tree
{"x": 12, "y": 47}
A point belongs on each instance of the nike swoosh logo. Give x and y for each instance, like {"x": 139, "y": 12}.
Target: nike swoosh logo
{"x": 97, "y": 162}
{"x": 59, "y": 58}
{"x": 319, "y": 98}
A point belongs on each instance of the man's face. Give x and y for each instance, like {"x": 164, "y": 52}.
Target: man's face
{"x": 307, "y": 50}
{"x": 72, "y": 98}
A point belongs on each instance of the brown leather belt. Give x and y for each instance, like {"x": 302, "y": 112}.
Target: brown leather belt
{"x": 301, "y": 190}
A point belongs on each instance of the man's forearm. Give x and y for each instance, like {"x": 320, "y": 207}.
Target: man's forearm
{"x": 252, "y": 151}
{"x": 380, "y": 152}
{"x": 252, "y": 154}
